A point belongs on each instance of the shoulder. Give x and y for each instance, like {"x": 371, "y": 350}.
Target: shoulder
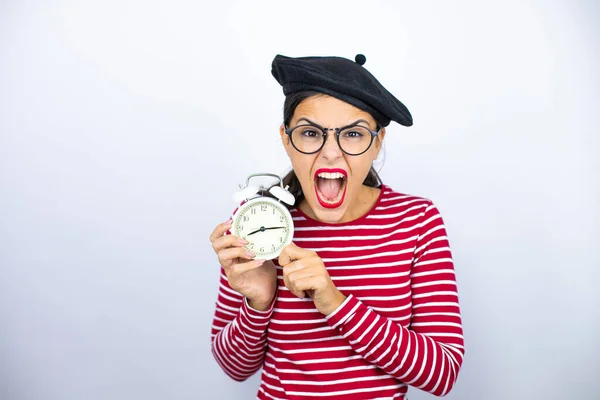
{"x": 405, "y": 207}
{"x": 416, "y": 211}
{"x": 391, "y": 198}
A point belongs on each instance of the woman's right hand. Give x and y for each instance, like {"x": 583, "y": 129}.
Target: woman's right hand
{"x": 254, "y": 279}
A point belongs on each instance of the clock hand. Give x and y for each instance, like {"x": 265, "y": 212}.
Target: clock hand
{"x": 262, "y": 229}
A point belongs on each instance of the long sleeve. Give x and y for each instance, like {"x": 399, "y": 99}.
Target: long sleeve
{"x": 429, "y": 353}
{"x": 238, "y": 335}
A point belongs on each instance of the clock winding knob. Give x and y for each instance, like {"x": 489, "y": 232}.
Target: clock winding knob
{"x": 283, "y": 195}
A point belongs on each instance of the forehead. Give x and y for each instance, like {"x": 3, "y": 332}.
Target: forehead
{"x": 330, "y": 111}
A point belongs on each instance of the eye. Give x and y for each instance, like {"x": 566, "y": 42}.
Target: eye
{"x": 354, "y": 133}
{"x": 311, "y": 133}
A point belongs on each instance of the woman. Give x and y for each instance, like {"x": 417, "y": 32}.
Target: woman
{"x": 364, "y": 302}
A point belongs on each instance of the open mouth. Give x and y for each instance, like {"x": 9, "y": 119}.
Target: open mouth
{"x": 330, "y": 187}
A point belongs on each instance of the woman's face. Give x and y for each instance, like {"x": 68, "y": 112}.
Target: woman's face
{"x": 331, "y": 179}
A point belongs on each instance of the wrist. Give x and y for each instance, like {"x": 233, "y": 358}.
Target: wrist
{"x": 337, "y": 299}
{"x": 259, "y": 305}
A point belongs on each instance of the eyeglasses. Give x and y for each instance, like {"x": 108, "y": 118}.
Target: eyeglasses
{"x": 353, "y": 140}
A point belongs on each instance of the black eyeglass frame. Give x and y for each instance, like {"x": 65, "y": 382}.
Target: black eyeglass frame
{"x": 289, "y": 131}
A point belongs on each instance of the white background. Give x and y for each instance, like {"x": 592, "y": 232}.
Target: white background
{"x": 126, "y": 126}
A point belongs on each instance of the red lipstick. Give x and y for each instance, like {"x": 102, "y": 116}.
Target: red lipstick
{"x": 340, "y": 198}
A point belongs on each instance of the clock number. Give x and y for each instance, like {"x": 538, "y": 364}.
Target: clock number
{"x": 262, "y": 249}
{"x": 280, "y": 239}
{"x": 273, "y": 210}
{"x": 263, "y": 208}
{"x": 273, "y": 248}
{"x": 253, "y": 211}
{"x": 246, "y": 218}
{"x": 281, "y": 218}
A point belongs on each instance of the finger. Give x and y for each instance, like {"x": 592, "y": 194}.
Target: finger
{"x": 302, "y": 273}
{"x": 292, "y": 288}
{"x": 241, "y": 268}
{"x": 292, "y": 252}
{"x": 304, "y": 263}
{"x": 296, "y": 292}
{"x": 228, "y": 256}
{"x": 307, "y": 280}
{"x": 220, "y": 230}
{"x": 308, "y": 284}
{"x": 227, "y": 241}
{"x": 289, "y": 280}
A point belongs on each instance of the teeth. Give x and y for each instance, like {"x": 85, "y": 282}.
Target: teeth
{"x": 330, "y": 175}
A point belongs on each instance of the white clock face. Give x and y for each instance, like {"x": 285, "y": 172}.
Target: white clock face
{"x": 266, "y": 225}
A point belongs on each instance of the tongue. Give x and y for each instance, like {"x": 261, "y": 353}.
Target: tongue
{"x": 329, "y": 188}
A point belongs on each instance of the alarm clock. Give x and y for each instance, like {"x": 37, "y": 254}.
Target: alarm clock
{"x": 263, "y": 221}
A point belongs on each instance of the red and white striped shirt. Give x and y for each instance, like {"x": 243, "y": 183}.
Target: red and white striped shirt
{"x": 400, "y": 325}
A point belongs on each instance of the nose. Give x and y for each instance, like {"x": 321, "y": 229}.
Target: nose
{"x": 331, "y": 151}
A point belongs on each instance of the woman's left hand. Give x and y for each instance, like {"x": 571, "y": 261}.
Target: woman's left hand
{"x": 304, "y": 274}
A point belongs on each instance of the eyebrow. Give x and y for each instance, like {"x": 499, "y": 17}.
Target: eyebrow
{"x": 309, "y": 121}
{"x": 358, "y": 121}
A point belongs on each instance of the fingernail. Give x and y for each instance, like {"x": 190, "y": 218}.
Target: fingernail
{"x": 243, "y": 242}
{"x": 250, "y": 254}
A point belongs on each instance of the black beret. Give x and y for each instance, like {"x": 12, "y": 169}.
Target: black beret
{"x": 344, "y": 79}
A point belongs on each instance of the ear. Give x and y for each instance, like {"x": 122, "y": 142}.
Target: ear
{"x": 284, "y": 136}
{"x": 285, "y": 139}
{"x": 377, "y": 142}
